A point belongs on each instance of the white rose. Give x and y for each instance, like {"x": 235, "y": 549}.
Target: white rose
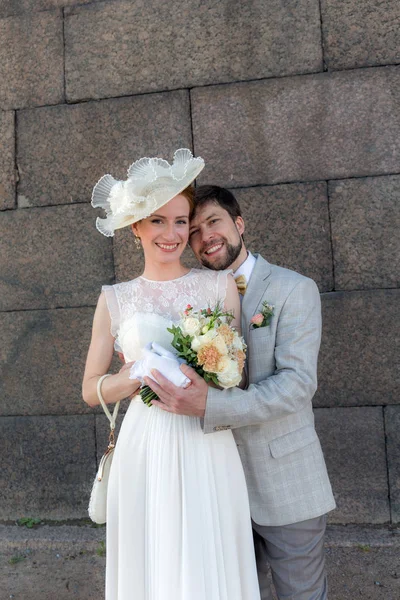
{"x": 191, "y": 326}
{"x": 199, "y": 340}
{"x": 229, "y": 376}
{"x": 196, "y": 344}
{"x": 208, "y": 337}
{"x": 237, "y": 342}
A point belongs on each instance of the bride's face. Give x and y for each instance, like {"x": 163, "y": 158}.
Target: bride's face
{"x": 165, "y": 233}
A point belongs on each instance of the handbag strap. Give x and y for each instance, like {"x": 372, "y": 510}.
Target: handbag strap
{"x": 111, "y": 417}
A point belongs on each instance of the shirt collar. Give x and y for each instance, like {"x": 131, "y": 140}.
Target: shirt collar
{"x": 246, "y": 268}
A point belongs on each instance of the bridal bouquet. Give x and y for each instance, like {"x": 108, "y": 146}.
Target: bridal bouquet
{"x": 205, "y": 340}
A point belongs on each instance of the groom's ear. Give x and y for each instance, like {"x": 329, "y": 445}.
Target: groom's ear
{"x": 239, "y": 225}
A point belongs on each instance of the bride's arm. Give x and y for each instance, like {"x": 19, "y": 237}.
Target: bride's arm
{"x": 116, "y": 387}
{"x": 232, "y": 302}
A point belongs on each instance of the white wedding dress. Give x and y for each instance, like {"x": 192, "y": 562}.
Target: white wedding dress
{"x": 178, "y": 519}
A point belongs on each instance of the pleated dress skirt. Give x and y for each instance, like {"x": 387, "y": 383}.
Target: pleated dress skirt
{"x": 178, "y": 519}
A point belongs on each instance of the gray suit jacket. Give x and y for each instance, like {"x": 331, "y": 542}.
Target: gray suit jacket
{"x": 272, "y": 420}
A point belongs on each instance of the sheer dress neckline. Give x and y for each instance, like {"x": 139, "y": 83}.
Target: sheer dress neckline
{"x": 166, "y": 280}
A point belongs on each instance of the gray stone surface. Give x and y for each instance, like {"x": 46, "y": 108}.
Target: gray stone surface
{"x": 148, "y": 46}
{"x": 365, "y": 219}
{"x": 31, "y": 60}
{"x": 64, "y": 150}
{"x": 128, "y": 260}
{"x": 52, "y": 257}
{"x": 368, "y": 573}
{"x": 289, "y": 226}
{"x": 392, "y": 423}
{"x": 359, "y": 358}
{"x": 7, "y": 171}
{"x": 46, "y": 563}
{"x": 48, "y": 466}
{"x": 353, "y": 441}
{"x": 17, "y": 7}
{"x": 360, "y": 34}
{"x": 49, "y": 562}
{"x": 42, "y": 360}
{"x": 47, "y": 575}
{"x": 324, "y": 126}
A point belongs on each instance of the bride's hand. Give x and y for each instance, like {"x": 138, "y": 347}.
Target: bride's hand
{"x": 132, "y": 385}
{"x": 126, "y": 366}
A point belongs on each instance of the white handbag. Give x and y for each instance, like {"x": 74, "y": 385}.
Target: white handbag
{"x": 98, "y": 498}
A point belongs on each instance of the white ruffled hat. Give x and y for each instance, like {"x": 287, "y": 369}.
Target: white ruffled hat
{"x": 151, "y": 183}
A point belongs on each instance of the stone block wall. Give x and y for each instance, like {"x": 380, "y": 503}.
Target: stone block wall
{"x": 295, "y": 106}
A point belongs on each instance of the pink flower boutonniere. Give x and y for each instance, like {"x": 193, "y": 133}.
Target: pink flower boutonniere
{"x": 263, "y": 318}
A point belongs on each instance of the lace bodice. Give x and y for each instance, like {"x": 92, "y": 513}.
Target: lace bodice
{"x": 141, "y": 309}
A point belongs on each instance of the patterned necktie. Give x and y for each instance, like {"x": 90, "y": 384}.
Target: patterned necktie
{"x": 241, "y": 284}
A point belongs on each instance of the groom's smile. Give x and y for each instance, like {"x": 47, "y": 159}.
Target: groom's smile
{"x": 214, "y": 248}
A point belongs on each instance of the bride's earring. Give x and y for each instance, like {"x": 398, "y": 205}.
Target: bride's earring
{"x": 137, "y": 242}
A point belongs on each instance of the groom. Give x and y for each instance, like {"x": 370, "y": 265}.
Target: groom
{"x": 272, "y": 420}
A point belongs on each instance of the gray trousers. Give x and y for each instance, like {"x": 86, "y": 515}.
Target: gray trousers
{"x": 295, "y": 554}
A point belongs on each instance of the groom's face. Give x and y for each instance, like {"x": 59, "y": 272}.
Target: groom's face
{"x": 214, "y": 237}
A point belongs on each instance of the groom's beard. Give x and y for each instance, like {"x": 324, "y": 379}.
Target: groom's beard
{"x": 223, "y": 262}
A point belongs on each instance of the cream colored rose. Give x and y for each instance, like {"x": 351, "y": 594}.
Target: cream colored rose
{"x": 201, "y": 340}
{"x": 238, "y": 342}
{"x": 220, "y": 344}
{"x": 229, "y": 375}
{"x": 191, "y": 326}
{"x": 208, "y": 337}
{"x": 196, "y": 343}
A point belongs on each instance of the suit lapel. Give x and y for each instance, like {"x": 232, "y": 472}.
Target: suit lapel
{"x": 255, "y": 289}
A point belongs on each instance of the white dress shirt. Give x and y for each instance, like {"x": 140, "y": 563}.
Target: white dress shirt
{"x": 246, "y": 268}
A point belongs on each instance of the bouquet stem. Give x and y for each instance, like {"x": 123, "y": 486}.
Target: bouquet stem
{"x": 147, "y": 395}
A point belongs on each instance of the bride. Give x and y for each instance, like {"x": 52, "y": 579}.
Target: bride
{"x": 178, "y": 519}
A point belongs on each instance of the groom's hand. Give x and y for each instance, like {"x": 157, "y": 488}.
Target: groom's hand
{"x": 190, "y": 401}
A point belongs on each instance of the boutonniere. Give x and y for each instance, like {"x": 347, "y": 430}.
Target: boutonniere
{"x": 263, "y": 318}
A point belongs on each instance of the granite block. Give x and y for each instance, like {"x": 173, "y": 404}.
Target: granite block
{"x": 289, "y": 226}
{"x": 359, "y": 358}
{"x": 16, "y": 7}
{"x": 360, "y": 34}
{"x": 42, "y": 360}
{"x": 365, "y": 220}
{"x": 129, "y": 260}
{"x": 31, "y": 60}
{"x": 353, "y": 442}
{"x": 64, "y": 150}
{"x": 52, "y": 257}
{"x": 7, "y": 170}
{"x": 120, "y": 48}
{"x": 48, "y": 466}
{"x": 313, "y": 127}
{"x": 392, "y": 423}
